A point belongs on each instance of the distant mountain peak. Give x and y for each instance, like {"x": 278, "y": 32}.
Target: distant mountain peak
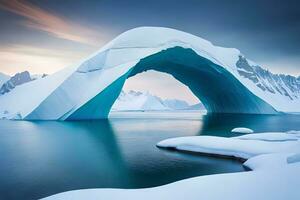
{"x": 266, "y": 81}
{"x": 18, "y": 79}
{"x": 145, "y": 101}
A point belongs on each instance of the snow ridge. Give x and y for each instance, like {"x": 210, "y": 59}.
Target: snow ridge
{"x": 286, "y": 85}
{"x": 144, "y": 101}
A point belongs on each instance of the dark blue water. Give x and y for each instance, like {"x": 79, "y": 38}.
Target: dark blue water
{"x": 39, "y": 159}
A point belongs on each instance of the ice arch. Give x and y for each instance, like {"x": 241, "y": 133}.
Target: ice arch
{"x": 222, "y": 78}
{"x": 219, "y": 91}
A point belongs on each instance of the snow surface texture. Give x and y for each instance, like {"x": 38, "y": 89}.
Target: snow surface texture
{"x": 273, "y": 157}
{"x": 242, "y": 130}
{"x": 245, "y": 146}
{"x": 222, "y": 78}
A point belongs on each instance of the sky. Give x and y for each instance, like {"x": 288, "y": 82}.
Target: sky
{"x": 43, "y": 36}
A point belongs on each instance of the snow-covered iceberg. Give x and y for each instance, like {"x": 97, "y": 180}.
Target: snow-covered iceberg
{"x": 242, "y": 130}
{"x": 222, "y": 78}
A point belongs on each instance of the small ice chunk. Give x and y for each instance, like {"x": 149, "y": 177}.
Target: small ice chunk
{"x": 242, "y": 130}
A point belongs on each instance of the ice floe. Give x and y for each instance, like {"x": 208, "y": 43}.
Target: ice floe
{"x": 242, "y": 130}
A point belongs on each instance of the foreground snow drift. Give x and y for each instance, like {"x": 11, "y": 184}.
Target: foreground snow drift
{"x": 273, "y": 157}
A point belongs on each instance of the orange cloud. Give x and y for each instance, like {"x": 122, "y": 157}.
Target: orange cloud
{"x": 55, "y": 25}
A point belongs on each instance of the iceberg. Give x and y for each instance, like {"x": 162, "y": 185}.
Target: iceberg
{"x": 222, "y": 78}
{"x": 242, "y": 130}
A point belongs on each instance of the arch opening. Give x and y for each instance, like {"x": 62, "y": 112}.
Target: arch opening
{"x": 155, "y": 91}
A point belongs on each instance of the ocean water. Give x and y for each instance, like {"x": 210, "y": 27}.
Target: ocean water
{"x": 41, "y": 158}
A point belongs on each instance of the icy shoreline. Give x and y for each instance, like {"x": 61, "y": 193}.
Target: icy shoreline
{"x": 273, "y": 157}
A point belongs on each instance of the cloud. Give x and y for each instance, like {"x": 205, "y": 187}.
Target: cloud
{"x": 16, "y": 58}
{"x": 57, "y": 26}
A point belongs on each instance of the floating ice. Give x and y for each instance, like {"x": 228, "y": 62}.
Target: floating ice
{"x": 242, "y": 130}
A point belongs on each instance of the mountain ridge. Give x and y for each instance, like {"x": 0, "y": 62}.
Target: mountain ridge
{"x": 145, "y": 101}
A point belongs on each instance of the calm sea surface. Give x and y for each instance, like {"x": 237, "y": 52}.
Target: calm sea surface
{"x": 42, "y": 158}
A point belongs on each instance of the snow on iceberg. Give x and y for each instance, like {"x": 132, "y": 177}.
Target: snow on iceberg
{"x": 244, "y": 147}
{"x": 242, "y": 130}
{"x": 88, "y": 89}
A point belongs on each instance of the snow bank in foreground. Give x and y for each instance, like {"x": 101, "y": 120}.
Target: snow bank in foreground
{"x": 274, "y": 158}
{"x": 245, "y": 146}
{"x": 242, "y": 130}
{"x": 263, "y": 150}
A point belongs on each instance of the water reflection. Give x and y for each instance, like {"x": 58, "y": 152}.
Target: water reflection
{"x": 222, "y": 124}
{"x": 43, "y": 158}
{"x": 50, "y": 157}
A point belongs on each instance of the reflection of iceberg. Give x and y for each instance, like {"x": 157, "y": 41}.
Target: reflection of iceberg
{"x": 220, "y": 77}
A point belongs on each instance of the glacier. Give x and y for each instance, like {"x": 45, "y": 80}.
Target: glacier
{"x": 223, "y": 79}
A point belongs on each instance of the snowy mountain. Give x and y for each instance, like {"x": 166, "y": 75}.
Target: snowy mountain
{"x": 38, "y": 76}
{"x": 8, "y": 83}
{"x": 175, "y": 104}
{"x": 145, "y": 101}
{"x": 3, "y": 78}
{"x": 268, "y": 82}
{"x": 17, "y": 79}
{"x": 222, "y": 78}
{"x": 138, "y": 101}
